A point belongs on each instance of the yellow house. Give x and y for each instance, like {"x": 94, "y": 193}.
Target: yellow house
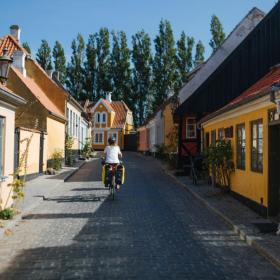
{"x": 40, "y": 124}
{"x": 251, "y": 123}
{"x": 8, "y": 104}
{"x": 110, "y": 118}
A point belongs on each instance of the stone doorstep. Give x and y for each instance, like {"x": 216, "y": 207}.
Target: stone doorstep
{"x": 262, "y": 243}
{"x": 10, "y": 224}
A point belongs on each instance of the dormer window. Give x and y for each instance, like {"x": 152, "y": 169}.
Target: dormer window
{"x": 104, "y": 118}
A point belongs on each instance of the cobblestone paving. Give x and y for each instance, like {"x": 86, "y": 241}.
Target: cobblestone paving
{"x": 153, "y": 230}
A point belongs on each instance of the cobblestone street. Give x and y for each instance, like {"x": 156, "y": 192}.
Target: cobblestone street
{"x": 153, "y": 230}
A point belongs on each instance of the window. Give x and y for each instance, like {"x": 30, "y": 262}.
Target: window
{"x": 104, "y": 117}
{"x": 98, "y": 138}
{"x": 240, "y": 146}
{"x": 257, "y": 146}
{"x": 2, "y": 138}
{"x": 221, "y": 134}
{"x": 190, "y": 128}
{"x": 70, "y": 123}
{"x": 207, "y": 144}
{"x": 97, "y": 117}
{"x": 213, "y": 138}
{"x": 113, "y": 134}
{"x": 73, "y": 124}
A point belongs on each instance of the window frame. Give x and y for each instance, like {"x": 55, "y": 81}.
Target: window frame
{"x": 240, "y": 161}
{"x": 259, "y": 167}
{"x": 94, "y": 138}
{"x": 97, "y": 118}
{"x": 102, "y": 117}
{"x": 194, "y": 126}
{"x": 213, "y": 133}
{"x": 221, "y": 134}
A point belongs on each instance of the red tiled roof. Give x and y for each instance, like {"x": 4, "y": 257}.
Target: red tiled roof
{"x": 108, "y": 104}
{"x": 39, "y": 94}
{"x": 11, "y": 44}
{"x": 120, "y": 109}
{"x": 261, "y": 86}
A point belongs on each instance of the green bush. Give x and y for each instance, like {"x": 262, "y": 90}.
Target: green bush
{"x": 56, "y": 160}
{"x": 87, "y": 149}
{"x": 7, "y": 214}
{"x": 219, "y": 161}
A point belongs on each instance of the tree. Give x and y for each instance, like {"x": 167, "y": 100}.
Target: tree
{"x": 103, "y": 78}
{"x": 43, "y": 56}
{"x": 184, "y": 58}
{"x": 218, "y": 35}
{"x": 120, "y": 69}
{"x": 91, "y": 68}
{"x": 141, "y": 75}
{"x": 199, "y": 53}
{"x": 164, "y": 63}
{"x": 75, "y": 71}
{"x": 26, "y": 46}
{"x": 59, "y": 61}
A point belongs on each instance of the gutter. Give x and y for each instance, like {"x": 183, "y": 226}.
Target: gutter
{"x": 242, "y": 102}
{"x": 12, "y": 98}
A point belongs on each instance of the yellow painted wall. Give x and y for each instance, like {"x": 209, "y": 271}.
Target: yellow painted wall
{"x": 56, "y": 136}
{"x": 169, "y": 127}
{"x": 31, "y": 165}
{"x": 9, "y": 115}
{"x": 250, "y": 184}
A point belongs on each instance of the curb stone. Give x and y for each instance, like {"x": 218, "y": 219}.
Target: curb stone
{"x": 74, "y": 171}
{"x": 250, "y": 240}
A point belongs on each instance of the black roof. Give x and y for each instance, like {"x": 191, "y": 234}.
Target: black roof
{"x": 250, "y": 61}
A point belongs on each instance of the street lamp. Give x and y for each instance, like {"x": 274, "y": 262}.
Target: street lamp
{"x": 5, "y": 63}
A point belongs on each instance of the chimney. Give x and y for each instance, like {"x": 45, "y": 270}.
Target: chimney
{"x": 50, "y": 73}
{"x": 19, "y": 61}
{"x": 15, "y": 32}
{"x": 109, "y": 97}
{"x": 56, "y": 75}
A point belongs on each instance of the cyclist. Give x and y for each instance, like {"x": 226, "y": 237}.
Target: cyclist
{"x": 112, "y": 154}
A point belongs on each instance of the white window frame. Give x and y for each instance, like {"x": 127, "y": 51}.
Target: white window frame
{"x": 104, "y": 121}
{"x": 110, "y": 134}
{"x": 195, "y": 128}
{"x": 98, "y": 143}
{"x": 97, "y": 118}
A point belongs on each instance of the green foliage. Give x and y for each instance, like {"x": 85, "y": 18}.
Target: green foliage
{"x": 43, "y": 56}
{"x": 59, "y": 61}
{"x": 25, "y": 45}
{"x": 75, "y": 71}
{"x": 184, "y": 59}
{"x": 69, "y": 156}
{"x": 219, "y": 161}
{"x": 7, "y": 214}
{"x": 91, "y": 68}
{"x": 56, "y": 160}
{"x": 120, "y": 70}
{"x": 218, "y": 35}
{"x": 199, "y": 53}
{"x": 103, "y": 72}
{"x": 141, "y": 75}
{"x": 164, "y": 63}
{"x": 87, "y": 149}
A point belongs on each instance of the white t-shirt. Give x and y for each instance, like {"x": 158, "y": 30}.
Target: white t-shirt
{"x": 112, "y": 154}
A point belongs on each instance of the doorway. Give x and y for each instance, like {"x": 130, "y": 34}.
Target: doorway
{"x": 274, "y": 170}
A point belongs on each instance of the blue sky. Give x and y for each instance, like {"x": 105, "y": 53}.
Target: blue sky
{"x": 63, "y": 19}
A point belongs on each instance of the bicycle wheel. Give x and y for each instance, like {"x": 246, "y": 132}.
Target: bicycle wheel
{"x": 112, "y": 188}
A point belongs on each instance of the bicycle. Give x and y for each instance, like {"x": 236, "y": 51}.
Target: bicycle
{"x": 112, "y": 179}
